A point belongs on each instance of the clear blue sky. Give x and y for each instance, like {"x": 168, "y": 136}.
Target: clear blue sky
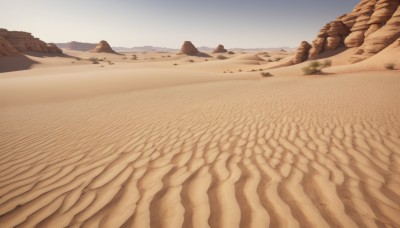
{"x": 167, "y": 23}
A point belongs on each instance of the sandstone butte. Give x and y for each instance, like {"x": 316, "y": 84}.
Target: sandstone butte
{"x": 189, "y": 49}
{"x": 220, "y": 49}
{"x": 103, "y": 46}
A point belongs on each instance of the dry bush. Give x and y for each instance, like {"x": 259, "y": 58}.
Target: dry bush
{"x": 94, "y": 60}
{"x": 266, "y": 74}
{"x": 313, "y": 67}
{"x": 390, "y": 66}
{"x": 327, "y": 63}
{"x": 221, "y": 57}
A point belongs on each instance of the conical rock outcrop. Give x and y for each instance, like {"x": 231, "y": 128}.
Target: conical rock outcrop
{"x": 103, "y": 47}
{"x": 189, "y": 49}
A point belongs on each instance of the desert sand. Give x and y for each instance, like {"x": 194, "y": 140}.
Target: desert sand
{"x": 172, "y": 141}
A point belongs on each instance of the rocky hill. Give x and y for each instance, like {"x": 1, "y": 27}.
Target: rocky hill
{"x": 14, "y": 42}
{"x": 189, "y": 49}
{"x": 103, "y": 46}
{"x": 220, "y": 49}
{"x": 372, "y": 26}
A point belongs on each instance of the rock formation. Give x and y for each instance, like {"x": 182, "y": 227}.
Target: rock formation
{"x": 13, "y": 42}
{"x": 302, "y": 52}
{"x": 53, "y": 49}
{"x": 370, "y": 27}
{"x": 103, "y": 46}
{"x": 6, "y": 49}
{"x": 220, "y": 49}
{"x": 189, "y": 49}
{"x": 381, "y": 38}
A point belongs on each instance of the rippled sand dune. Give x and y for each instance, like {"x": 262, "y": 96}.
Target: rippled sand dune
{"x": 278, "y": 152}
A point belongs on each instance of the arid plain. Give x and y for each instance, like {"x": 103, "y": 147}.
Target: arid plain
{"x": 166, "y": 139}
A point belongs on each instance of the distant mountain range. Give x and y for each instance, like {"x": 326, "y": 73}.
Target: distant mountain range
{"x": 80, "y": 46}
{"x": 77, "y": 46}
{"x": 145, "y": 49}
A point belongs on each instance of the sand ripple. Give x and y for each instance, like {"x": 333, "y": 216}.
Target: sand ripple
{"x": 296, "y": 153}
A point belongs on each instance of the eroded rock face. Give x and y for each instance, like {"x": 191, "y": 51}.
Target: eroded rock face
{"x": 317, "y": 46}
{"x": 6, "y": 49}
{"x": 371, "y": 26}
{"x": 380, "y": 39}
{"x": 53, "y": 48}
{"x": 13, "y": 42}
{"x": 330, "y": 37}
{"x": 302, "y": 52}
{"x": 103, "y": 46}
{"x": 220, "y": 49}
{"x": 189, "y": 49}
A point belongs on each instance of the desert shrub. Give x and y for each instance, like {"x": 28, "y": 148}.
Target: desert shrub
{"x": 253, "y": 70}
{"x": 78, "y": 59}
{"x": 110, "y": 63}
{"x": 327, "y": 63}
{"x": 206, "y": 60}
{"x": 191, "y": 61}
{"x": 308, "y": 71}
{"x": 94, "y": 60}
{"x": 270, "y": 60}
{"x": 267, "y": 55}
{"x": 278, "y": 58}
{"x": 266, "y": 74}
{"x": 390, "y": 66}
{"x": 124, "y": 57}
{"x": 313, "y": 67}
{"x": 240, "y": 70}
{"x": 315, "y": 64}
{"x": 175, "y": 64}
{"x": 168, "y": 56}
{"x": 260, "y": 69}
{"x": 231, "y": 53}
{"x": 221, "y": 57}
{"x": 134, "y": 57}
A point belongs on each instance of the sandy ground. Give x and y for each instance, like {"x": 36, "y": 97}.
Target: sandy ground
{"x": 146, "y": 143}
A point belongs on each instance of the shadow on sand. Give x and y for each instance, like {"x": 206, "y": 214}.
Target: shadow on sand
{"x": 15, "y": 63}
{"x": 42, "y": 55}
{"x": 199, "y": 54}
{"x": 319, "y": 74}
{"x": 202, "y": 54}
{"x": 22, "y": 62}
{"x": 328, "y": 54}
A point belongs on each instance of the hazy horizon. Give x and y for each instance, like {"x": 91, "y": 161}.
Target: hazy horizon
{"x": 236, "y": 24}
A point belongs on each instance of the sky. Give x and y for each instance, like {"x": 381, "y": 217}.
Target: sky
{"x": 167, "y": 23}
